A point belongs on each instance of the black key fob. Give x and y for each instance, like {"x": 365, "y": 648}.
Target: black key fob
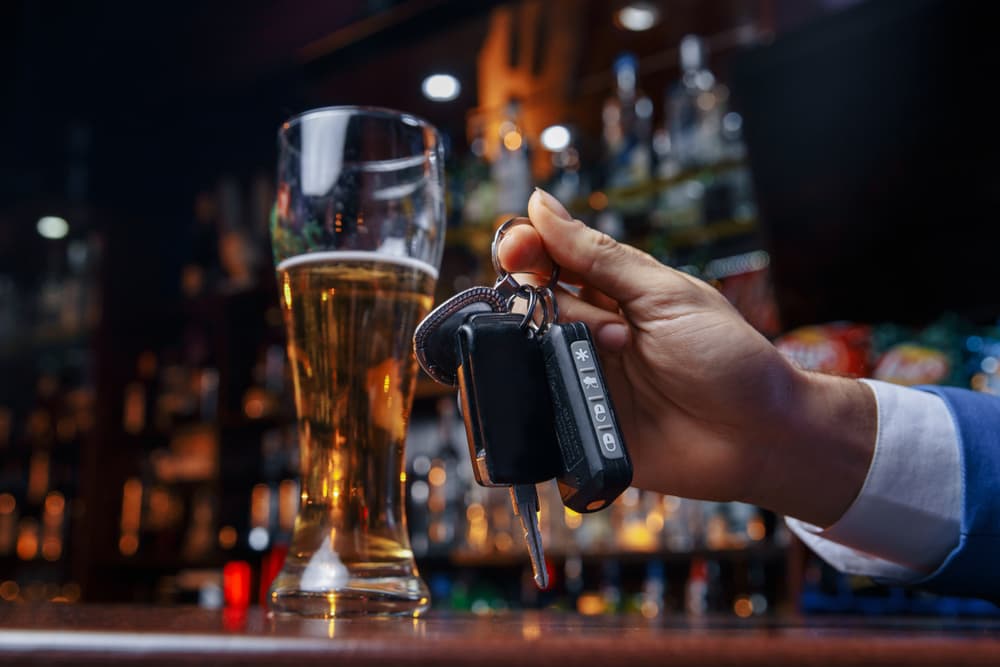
{"x": 505, "y": 401}
{"x": 596, "y": 467}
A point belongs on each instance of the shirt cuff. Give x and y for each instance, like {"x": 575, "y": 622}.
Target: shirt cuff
{"x": 907, "y": 516}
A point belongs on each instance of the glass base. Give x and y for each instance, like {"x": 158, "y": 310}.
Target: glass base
{"x": 377, "y": 596}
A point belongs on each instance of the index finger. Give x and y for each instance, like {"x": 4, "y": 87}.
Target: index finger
{"x": 521, "y": 251}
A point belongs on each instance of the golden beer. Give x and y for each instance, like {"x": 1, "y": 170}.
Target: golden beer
{"x": 350, "y": 318}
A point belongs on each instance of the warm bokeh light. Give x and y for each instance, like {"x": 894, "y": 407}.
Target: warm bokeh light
{"x": 743, "y": 607}
{"x": 597, "y": 200}
{"x": 27, "y": 539}
{"x": 55, "y": 503}
{"x": 227, "y": 537}
{"x": 51, "y": 548}
{"x": 260, "y": 505}
{"x": 756, "y": 530}
{"x": 512, "y": 140}
{"x": 437, "y": 476}
{"x": 128, "y": 544}
{"x": 591, "y": 604}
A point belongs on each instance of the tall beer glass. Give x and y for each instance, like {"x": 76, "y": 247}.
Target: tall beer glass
{"x": 357, "y": 232}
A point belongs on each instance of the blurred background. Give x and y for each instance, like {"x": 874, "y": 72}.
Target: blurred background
{"x": 830, "y": 165}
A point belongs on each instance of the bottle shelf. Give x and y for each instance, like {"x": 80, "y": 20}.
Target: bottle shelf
{"x": 518, "y": 556}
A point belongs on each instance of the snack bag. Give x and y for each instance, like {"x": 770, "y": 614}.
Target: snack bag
{"x": 911, "y": 364}
{"x": 932, "y": 355}
{"x": 839, "y": 348}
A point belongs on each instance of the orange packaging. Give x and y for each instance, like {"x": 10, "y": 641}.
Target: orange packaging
{"x": 839, "y": 348}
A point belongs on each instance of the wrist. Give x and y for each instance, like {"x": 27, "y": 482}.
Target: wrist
{"x": 822, "y": 448}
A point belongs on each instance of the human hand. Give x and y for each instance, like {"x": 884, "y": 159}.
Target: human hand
{"x": 708, "y": 407}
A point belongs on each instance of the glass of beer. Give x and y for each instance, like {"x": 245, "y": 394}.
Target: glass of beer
{"x": 357, "y": 232}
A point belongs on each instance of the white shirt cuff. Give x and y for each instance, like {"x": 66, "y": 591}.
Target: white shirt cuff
{"x": 907, "y": 516}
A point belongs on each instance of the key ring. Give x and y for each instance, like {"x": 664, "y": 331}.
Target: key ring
{"x": 547, "y": 300}
{"x": 506, "y": 279}
{"x": 530, "y": 293}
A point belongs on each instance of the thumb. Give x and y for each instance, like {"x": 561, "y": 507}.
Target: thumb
{"x": 620, "y": 271}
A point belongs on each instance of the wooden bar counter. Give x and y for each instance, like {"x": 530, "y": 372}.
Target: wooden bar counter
{"x": 124, "y": 635}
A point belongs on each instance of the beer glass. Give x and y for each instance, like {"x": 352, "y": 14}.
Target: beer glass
{"x": 357, "y": 232}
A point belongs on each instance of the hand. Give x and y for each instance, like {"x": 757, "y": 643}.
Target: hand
{"x": 708, "y": 407}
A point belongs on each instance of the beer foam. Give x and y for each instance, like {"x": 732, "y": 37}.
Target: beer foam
{"x": 336, "y": 256}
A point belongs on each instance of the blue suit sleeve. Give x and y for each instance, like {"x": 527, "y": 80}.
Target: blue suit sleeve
{"x": 973, "y": 567}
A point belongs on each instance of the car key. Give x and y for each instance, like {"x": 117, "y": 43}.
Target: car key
{"x": 434, "y": 338}
{"x": 596, "y": 467}
{"x": 505, "y": 402}
{"x": 508, "y": 416}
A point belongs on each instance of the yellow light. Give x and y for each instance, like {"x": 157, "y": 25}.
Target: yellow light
{"x": 260, "y": 506}
{"x": 591, "y": 604}
{"x": 128, "y": 544}
{"x": 503, "y": 542}
{"x": 51, "y": 548}
{"x": 649, "y": 609}
{"x": 654, "y": 522}
{"x": 402, "y": 477}
{"x": 512, "y": 140}
{"x": 227, "y": 537}
{"x": 475, "y": 512}
{"x": 27, "y": 540}
{"x": 286, "y": 289}
{"x": 131, "y": 505}
{"x": 437, "y": 476}
{"x": 755, "y": 529}
{"x": 254, "y": 408}
{"x": 598, "y": 200}
{"x": 743, "y": 607}
{"x": 386, "y": 383}
{"x": 572, "y": 519}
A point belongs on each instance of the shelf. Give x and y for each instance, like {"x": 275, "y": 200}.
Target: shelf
{"x": 517, "y": 557}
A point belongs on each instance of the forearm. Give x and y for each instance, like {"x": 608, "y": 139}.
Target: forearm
{"x": 821, "y": 449}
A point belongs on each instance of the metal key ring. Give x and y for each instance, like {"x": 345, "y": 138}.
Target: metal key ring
{"x": 530, "y": 293}
{"x": 548, "y": 297}
{"x": 503, "y": 276}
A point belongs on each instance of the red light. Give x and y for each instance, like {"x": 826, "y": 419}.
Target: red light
{"x": 270, "y": 566}
{"x": 236, "y": 583}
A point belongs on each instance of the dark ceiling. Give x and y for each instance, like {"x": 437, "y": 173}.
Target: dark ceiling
{"x": 119, "y": 112}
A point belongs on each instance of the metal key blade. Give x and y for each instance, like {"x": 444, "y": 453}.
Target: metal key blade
{"x": 525, "y": 500}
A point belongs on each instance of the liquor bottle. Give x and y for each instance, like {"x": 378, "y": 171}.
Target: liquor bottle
{"x": 567, "y": 183}
{"x": 511, "y": 171}
{"x": 694, "y": 108}
{"x": 627, "y": 122}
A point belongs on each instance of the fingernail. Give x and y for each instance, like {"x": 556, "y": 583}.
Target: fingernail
{"x": 612, "y": 336}
{"x": 551, "y": 203}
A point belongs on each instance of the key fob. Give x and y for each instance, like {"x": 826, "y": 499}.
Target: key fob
{"x": 596, "y": 467}
{"x": 505, "y": 401}
{"x": 434, "y": 338}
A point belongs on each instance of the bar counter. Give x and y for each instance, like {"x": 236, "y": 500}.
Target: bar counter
{"x": 126, "y": 635}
